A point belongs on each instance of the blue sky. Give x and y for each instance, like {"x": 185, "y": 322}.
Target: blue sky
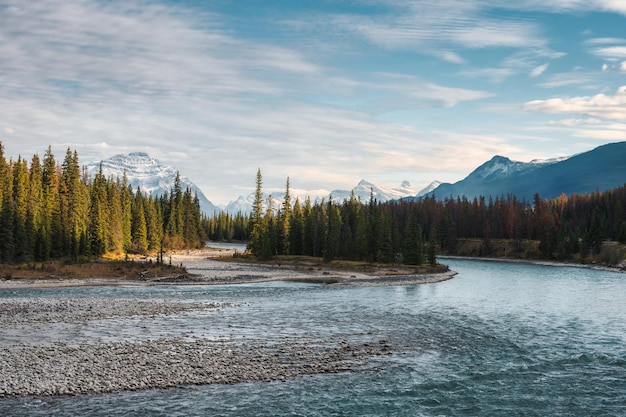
{"x": 325, "y": 92}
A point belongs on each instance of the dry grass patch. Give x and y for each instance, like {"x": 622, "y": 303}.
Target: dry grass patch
{"x": 98, "y": 268}
{"x": 317, "y": 264}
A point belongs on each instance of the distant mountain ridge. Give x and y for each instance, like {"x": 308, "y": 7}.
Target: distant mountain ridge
{"x": 602, "y": 168}
{"x": 362, "y": 191}
{"x": 149, "y": 175}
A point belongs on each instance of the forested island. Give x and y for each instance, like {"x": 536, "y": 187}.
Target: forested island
{"x": 57, "y": 211}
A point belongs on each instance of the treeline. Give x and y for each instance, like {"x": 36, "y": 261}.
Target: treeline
{"x": 54, "y": 211}
{"x": 411, "y": 231}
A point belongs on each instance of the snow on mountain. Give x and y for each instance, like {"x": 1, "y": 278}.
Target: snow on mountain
{"x": 149, "y": 175}
{"x": 429, "y": 188}
{"x": 364, "y": 189}
{"x": 500, "y": 167}
{"x": 601, "y": 169}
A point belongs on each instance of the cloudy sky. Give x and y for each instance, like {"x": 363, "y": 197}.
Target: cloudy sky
{"x": 325, "y": 91}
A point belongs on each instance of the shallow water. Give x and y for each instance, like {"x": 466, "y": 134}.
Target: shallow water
{"x": 498, "y": 339}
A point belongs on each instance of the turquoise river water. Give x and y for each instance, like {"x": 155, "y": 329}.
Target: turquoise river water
{"x": 500, "y": 339}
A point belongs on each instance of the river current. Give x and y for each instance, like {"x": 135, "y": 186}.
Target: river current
{"x": 499, "y": 339}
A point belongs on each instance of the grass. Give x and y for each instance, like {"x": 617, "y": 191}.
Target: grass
{"x": 316, "y": 263}
{"x": 92, "y": 268}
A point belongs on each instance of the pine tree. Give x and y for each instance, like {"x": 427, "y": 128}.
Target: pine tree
{"x": 332, "y": 234}
{"x": 7, "y": 212}
{"x": 413, "y": 247}
{"x": 35, "y": 215}
{"x": 139, "y": 230}
{"x": 21, "y": 245}
{"x": 284, "y": 223}
{"x": 296, "y": 230}
{"x": 51, "y": 233}
{"x": 97, "y": 232}
{"x": 258, "y": 228}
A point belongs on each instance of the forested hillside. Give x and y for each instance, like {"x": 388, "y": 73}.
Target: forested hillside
{"x": 409, "y": 231}
{"x": 49, "y": 210}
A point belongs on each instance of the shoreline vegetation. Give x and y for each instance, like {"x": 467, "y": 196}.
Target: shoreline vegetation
{"x": 219, "y": 266}
{"x": 211, "y": 266}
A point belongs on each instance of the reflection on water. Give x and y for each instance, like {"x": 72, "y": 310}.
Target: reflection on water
{"x": 498, "y": 339}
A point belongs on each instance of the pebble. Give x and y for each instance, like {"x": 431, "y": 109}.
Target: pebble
{"x": 165, "y": 363}
{"x": 105, "y": 367}
{"x": 48, "y": 310}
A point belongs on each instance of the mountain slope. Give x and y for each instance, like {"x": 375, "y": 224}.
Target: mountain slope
{"x": 149, "y": 175}
{"x": 602, "y": 168}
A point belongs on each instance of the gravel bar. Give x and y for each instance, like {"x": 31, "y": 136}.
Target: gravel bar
{"x": 51, "y": 310}
{"x": 171, "y": 362}
{"x": 104, "y": 367}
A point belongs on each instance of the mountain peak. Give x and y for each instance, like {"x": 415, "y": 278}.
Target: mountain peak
{"x": 139, "y": 155}
{"x": 149, "y": 175}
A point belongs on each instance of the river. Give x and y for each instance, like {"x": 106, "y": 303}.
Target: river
{"x": 500, "y": 339}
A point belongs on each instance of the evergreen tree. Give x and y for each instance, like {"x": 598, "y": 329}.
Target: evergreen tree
{"x": 258, "y": 228}
{"x": 284, "y": 223}
{"x": 98, "y": 231}
{"x": 139, "y": 229}
{"x": 413, "y": 247}
{"x": 51, "y": 233}
{"x": 21, "y": 242}
{"x": 333, "y": 231}
{"x": 35, "y": 216}
{"x": 296, "y": 230}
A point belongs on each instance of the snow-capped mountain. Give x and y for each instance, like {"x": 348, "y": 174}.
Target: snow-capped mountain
{"x": 243, "y": 204}
{"x": 500, "y": 167}
{"x": 365, "y": 189}
{"x": 429, "y": 188}
{"x": 602, "y": 168}
{"x": 361, "y": 191}
{"x": 149, "y": 175}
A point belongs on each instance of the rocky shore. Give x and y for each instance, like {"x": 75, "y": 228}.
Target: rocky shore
{"x": 97, "y": 367}
{"x": 51, "y": 310}
{"x": 56, "y": 366}
{"x": 164, "y": 363}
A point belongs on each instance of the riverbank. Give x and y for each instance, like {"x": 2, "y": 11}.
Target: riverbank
{"x": 621, "y": 268}
{"x": 209, "y": 266}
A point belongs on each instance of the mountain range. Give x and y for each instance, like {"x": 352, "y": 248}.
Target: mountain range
{"x": 602, "y": 168}
{"x": 362, "y": 191}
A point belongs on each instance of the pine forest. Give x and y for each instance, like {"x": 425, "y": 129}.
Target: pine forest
{"x": 578, "y": 228}
{"x": 50, "y": 210}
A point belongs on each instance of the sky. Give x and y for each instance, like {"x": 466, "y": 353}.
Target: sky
{"x": 325, "y": 92}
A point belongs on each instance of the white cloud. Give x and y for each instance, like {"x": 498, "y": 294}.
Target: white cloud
{"x": 537, "y": 71}
{"x": 622, "y": 66}
{"x": 450, "y": 56}
{"x": 611, "y": 53}
{"x": 600, "y": 106}
{"x": 575, "y": 122}
{"x": 583, "y": 79}
{"x": 495, "y": 74}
